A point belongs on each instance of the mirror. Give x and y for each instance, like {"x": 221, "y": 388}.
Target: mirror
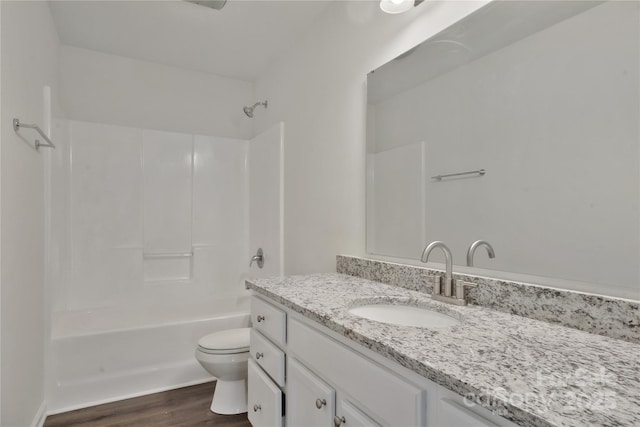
{"x": 544, "y": 98}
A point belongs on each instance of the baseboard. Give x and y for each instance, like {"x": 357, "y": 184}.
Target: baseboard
{"x": 97, "y": 391}
{"x": 129, "y": 396}
{"x": 41, "y": 415}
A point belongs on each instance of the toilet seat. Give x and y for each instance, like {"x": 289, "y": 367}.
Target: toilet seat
{"x": 231, "y": 341}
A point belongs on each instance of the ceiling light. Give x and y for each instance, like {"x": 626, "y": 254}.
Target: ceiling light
{"x": 396, "y": 6}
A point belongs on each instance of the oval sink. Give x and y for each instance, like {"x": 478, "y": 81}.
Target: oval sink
{"x": 404, "y": 315}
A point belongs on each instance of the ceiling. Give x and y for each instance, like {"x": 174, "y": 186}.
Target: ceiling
{"x": 238, "y": 41}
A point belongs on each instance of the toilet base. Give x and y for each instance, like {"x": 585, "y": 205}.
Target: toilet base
{"x": 230, "y": 397}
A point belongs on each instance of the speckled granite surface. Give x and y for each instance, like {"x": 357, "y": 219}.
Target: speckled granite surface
{"x": 530, "y": 372}
{"x": 613, "y": 317}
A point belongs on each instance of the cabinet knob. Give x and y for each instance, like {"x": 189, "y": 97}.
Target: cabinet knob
{"x": 320, "y": 403}
{"x": 338, "y": 421}
{"x": 257, "y": 408}
{"x": 259, "y": 355}
{"x": 260, "y": 318}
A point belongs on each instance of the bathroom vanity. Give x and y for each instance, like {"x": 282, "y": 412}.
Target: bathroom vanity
{"x": 315, "y": 363}
{"x": 333, "y": 382}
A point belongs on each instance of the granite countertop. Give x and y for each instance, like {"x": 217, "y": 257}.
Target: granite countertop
{"x": 528, "y": 371}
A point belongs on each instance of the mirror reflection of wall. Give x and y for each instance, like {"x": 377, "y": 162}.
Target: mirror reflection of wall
{"x": 545, "y": 97}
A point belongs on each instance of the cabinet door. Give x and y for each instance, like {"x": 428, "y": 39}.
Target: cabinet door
{"x": 310, "y": 401}
{"x": 348, "y": 415}
{"x": 264, "y": 399}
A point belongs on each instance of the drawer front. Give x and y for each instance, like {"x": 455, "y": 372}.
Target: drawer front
{"x": 310, "y": 401}
{"x": 264, "y": 399}
{"x": 269, "y": 320}
{"x": 393, "y": 400}
{"x": 348, "y": 415}
{"x": 268, "y": 356}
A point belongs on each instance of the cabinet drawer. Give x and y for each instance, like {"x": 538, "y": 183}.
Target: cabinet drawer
{"x": 310, "y": 401}
{"x": 264, "y": 399}
{"x": 268, "y": 356}
{"x": 390, "y": 398}
{"x": 269, "y": 320}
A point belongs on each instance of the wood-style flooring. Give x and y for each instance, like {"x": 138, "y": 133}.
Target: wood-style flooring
{"x": 183, "y": 407}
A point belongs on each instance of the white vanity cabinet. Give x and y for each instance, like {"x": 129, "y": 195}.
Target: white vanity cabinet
{"x": 331, "y": 381}
{"x": 266, "y": 377}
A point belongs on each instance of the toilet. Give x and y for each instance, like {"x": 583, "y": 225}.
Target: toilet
{"x": 224, "y": 355}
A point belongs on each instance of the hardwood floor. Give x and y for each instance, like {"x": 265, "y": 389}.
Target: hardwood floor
{"x": 183, "y": 407}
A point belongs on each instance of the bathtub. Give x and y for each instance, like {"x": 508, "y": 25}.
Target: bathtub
{"x": 104, "y": 355}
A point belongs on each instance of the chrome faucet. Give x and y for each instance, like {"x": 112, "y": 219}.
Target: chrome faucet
{"x": 448, "y": 266}
{"x": 448, "y": 283}
{"x": 472, "y": 250}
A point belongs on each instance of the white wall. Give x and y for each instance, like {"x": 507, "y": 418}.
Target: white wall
{"x": 105, "y": 88}
{"x": 554, "y": 128}
{"x": 318, "y": 90}
{"x": 29, "y": 62}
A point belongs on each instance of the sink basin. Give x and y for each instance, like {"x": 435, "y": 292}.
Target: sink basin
{"x": 404, "y": 315}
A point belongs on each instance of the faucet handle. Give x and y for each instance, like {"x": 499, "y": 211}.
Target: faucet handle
{"x": 258, "y": 258}
{"x": 436, "y": 282}
{"x": 460, "y": 285}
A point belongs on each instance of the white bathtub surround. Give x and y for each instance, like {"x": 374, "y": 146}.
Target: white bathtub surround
{"x": 167, "y": 164}
{"x": 608, "y": 316}
{"x": 266, "y": 181}
{"x": 530, "y": 372}
{"x": 146, "y": 223}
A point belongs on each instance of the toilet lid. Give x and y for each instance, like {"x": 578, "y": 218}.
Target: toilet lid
{"x": 229, "y": 341}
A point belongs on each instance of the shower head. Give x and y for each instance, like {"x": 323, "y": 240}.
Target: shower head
{"x": 249, "y": 110}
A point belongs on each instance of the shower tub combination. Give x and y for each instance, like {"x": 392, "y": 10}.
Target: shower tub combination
{"x": 104, "y": 355}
